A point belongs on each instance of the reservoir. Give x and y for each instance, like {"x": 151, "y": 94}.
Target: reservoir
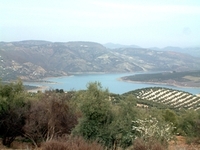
{"x": 109, "y": 81}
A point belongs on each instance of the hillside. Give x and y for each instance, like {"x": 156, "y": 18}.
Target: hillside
{"x": 193, "y": 51}
{"x": 184, "y": 79}
{"x": 33, "y": 60}
{"x": 173, "y": 99}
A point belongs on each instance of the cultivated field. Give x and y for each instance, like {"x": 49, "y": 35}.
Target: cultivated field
{"x": 172, "y": 98}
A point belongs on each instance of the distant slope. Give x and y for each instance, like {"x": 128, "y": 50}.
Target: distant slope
{"x": 159, "y": 60}
{"x": 33, "y": 60}
{"x": 115, "y": 46}
{"x": 172, "y": 98}
{"x": 193, "y": 51}
{"x": 186, "y": 78}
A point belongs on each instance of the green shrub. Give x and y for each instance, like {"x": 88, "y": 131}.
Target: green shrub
{"x": 96, "y": 114}
{"x": 13, "y": 108}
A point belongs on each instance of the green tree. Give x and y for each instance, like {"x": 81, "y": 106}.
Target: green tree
{"x": 170, "y": 116}
{"x": 188, "y": 122}
{"x": 12, "y": 111}
{"x": 125, "y": 112}
{"x": 96, "y": 114}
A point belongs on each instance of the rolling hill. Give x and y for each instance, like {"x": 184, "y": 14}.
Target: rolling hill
{"x": 173, "y": 99}
{"x": 184, "y": 78}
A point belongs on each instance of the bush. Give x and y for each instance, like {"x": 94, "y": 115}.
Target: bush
{"x": 49, "y": 117}
{"x": 151, "y": 129}
{"x": 188, "y": 123}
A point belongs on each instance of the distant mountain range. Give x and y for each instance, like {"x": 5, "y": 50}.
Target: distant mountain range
{"x": 114, "y": 46}
{"x": 194, "y": 51}
{"x": 33, "y": 60}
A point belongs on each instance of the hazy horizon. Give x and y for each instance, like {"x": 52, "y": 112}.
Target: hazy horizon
{"x": 142, "y": 23}
{"x": 117, "y": 44}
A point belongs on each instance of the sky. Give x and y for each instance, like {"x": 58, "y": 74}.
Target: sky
{"x": 146, "y": 23}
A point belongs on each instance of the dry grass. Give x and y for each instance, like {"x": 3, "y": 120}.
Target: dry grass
{"x": 141, "y": 145}
{"x": 71, "y": 143}
{"x": 78, "y": 143}
{"x": 181, "y": 144}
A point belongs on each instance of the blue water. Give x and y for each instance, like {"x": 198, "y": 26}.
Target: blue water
{"x": 110, "y": 81}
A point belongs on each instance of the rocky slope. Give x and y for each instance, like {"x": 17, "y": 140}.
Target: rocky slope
{"x": 33, "y": 60}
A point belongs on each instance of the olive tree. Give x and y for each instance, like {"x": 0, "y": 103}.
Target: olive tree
{"x": 96, "y": 114}
{"x": 13, "y": 108}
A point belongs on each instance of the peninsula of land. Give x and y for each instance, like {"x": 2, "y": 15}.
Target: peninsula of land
{"x": 179, "y": 79}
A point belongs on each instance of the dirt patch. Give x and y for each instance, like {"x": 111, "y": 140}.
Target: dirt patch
{"x": 181, "y": 144}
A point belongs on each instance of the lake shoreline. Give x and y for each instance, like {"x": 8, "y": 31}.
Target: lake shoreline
{"x": 114, "y": 82}
{"x": 38, "y": 88}
{"x": 158, "y": 83}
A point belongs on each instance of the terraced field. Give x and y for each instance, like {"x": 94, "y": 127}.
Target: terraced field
{"x": 172, "y": 98}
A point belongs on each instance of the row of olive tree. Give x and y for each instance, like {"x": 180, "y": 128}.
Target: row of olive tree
{"x": 119, "y": 124}
{"x": 110, "y": 123}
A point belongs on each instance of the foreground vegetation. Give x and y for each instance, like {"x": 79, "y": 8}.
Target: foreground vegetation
{"x": 90, "y": 119}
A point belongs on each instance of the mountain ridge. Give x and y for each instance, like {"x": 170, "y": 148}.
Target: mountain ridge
{"x": 33, "y": 60}
{"x": 193, "y": 51}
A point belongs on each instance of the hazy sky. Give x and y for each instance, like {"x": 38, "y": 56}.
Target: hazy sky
{"x": 145, "y": 23}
